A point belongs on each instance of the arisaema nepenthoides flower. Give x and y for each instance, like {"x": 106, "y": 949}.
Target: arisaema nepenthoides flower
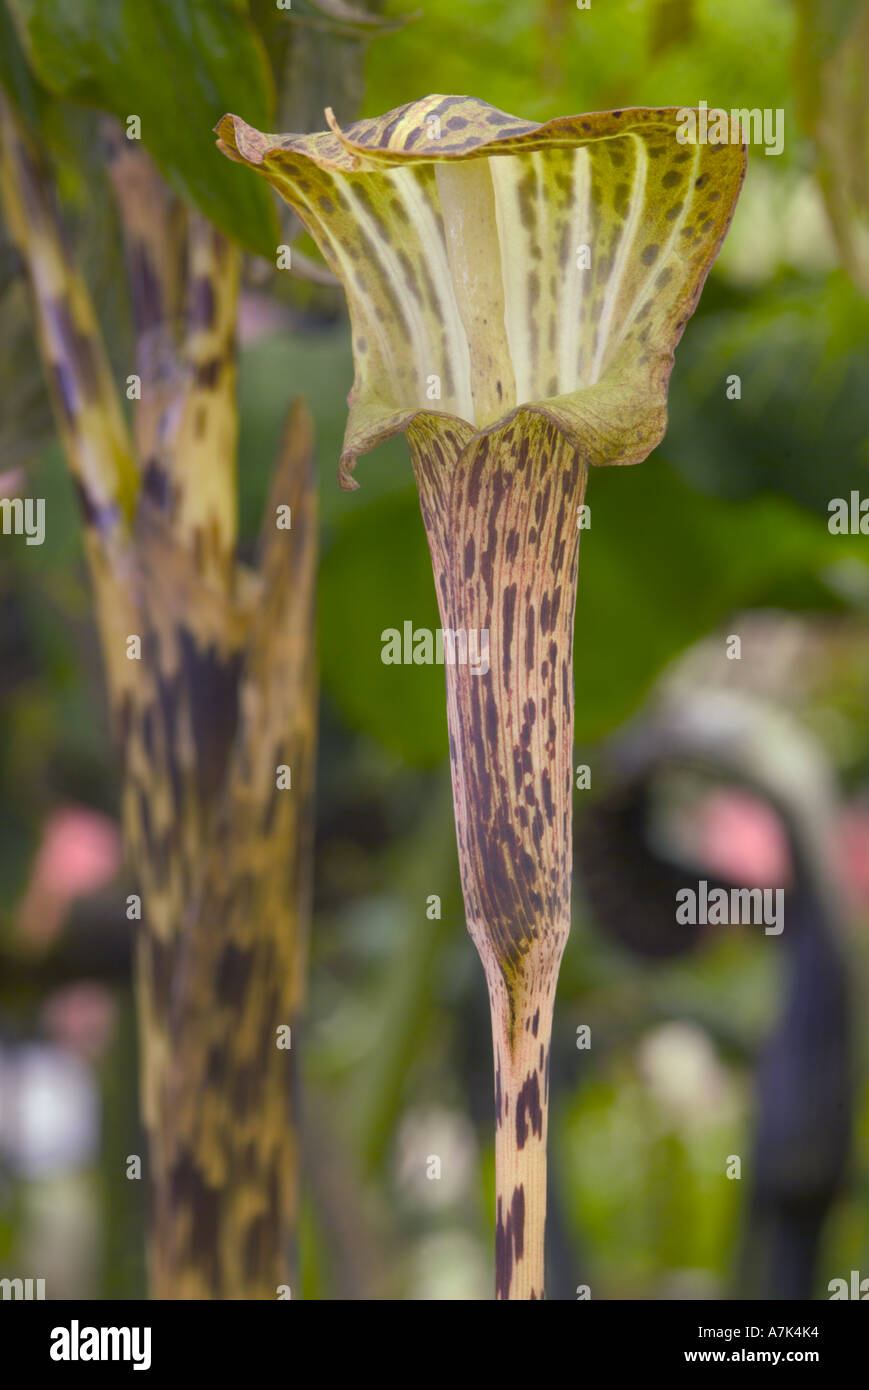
{"x": 516, "y": 293}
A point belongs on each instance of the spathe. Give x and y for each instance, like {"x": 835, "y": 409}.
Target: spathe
{"x": 589, "y": 346}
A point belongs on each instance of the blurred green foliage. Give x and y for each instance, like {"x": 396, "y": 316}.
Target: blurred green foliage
{"x": 728, "y": 515}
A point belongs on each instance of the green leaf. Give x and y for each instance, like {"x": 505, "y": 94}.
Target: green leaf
{"x": 177, "y": 65}
{"x": 15, "y": 75}
{"x": 375, "y": 576}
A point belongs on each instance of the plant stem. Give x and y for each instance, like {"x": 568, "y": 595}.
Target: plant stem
{"x": 521, "y": 1044}
{"x": 222, "y": 693}
{"x": 221, "y": 964}
{"x": 500, "y": 512}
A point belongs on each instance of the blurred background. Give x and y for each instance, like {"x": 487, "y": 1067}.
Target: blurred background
{"x": 667, "y": 1064}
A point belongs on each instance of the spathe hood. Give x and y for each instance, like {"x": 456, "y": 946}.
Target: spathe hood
{"x": 493, "y": 265}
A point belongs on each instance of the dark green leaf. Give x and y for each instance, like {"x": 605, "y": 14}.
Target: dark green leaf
{"x": 15, "y": 75}
{"x": 177, "y": 65}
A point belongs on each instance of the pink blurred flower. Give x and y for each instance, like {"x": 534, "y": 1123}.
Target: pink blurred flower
{"x": 853, "y": 847}
{"x": 742, "y": 840}
{"x": 81, "y": 1018}
{"x": 12, "y": 482}
{"x": 79, "y": 853}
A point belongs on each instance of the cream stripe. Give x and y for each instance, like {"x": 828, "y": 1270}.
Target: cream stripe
{"x": 577, "y": 283}
{"x": 393, "y": 273}
{"x": 638, "y": 197}
{"x": 514, "y": 268}
{"x": 421, "y": 213}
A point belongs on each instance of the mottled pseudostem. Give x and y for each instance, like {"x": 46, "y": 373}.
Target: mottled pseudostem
{"x": 221, "y": 966}
{"x": 224, "y": 693}
{"x": 153, "y": 225}
{"x": 501, "y": 519}
{"x": 85, "y": 400}
{"x": 184, "y": 281}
